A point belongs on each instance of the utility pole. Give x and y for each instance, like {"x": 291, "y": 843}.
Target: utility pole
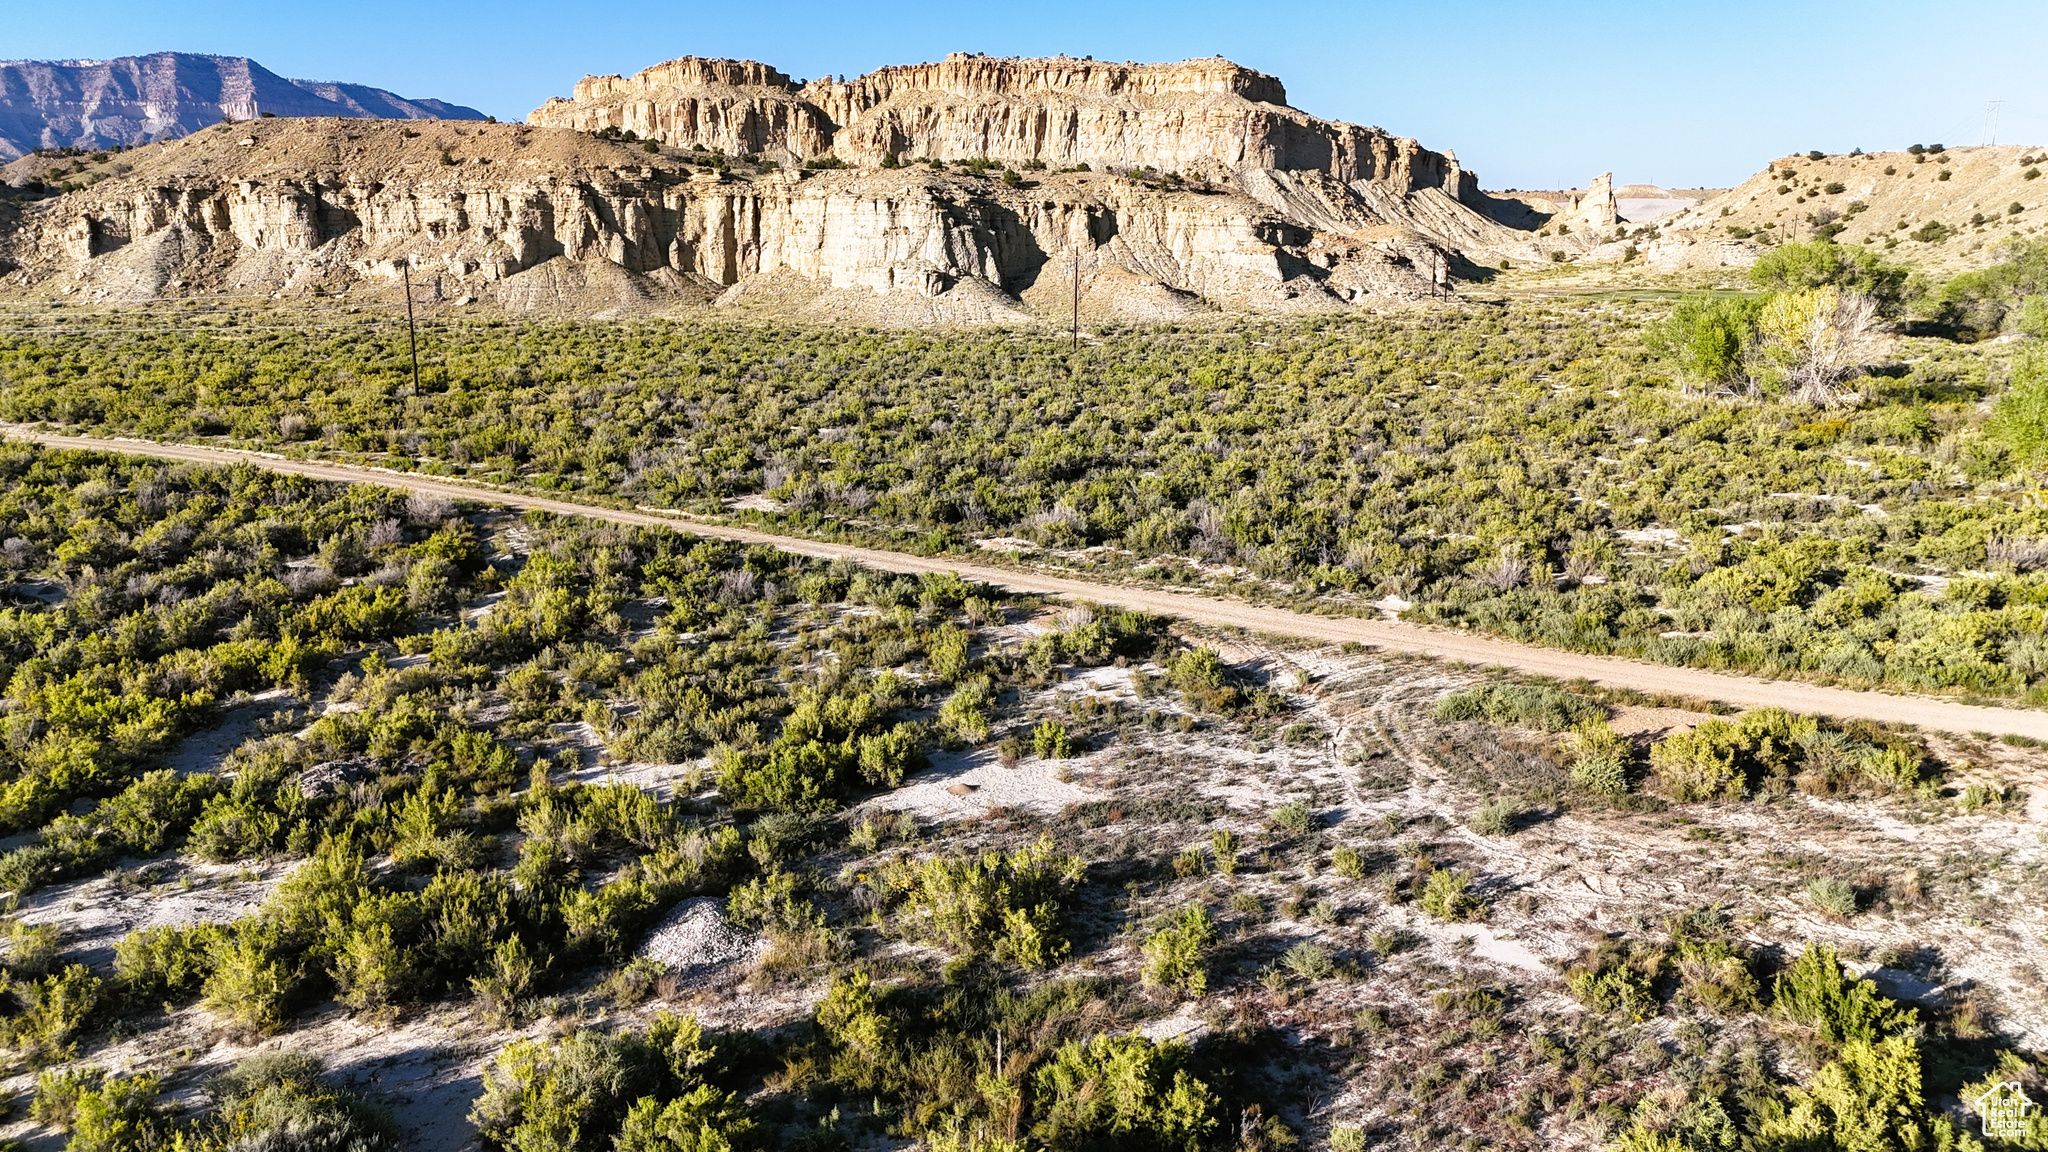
{"x": 412, "y": 335}
{"x": 1991, "y": 121}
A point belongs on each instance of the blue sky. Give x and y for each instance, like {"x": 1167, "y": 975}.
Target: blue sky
{"x": 1531, "y": 95}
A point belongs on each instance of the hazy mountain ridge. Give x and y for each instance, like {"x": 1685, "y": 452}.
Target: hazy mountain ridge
{"x": 95, "y": 104}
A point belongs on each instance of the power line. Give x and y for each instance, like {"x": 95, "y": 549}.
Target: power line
{"x": 1991, "y": 121}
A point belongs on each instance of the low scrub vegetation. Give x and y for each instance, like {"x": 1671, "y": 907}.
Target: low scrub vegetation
{"x": 1576, "y": 478}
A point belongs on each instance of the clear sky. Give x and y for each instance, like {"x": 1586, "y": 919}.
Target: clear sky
{"x": 1531, "y": 95}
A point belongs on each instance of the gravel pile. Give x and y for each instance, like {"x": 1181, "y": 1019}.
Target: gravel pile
{"x": 335, "y": 776}
{"x": 694, "y": 934}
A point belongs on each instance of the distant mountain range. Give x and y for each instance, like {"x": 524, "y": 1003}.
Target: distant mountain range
{"x": 136, "y": 99}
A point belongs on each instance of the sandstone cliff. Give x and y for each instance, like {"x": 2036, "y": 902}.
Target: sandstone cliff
{"x": 1199, "y": 117}
{"x": 547, "y": 218}
{"x": 970, "y": 190}
{"x": 95, "y": 104}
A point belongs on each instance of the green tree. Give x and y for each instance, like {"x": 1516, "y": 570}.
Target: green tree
{"x": 1825, "y": 264}
{"x": 1705, "y": 337}
{"x": 2020, "y": 416}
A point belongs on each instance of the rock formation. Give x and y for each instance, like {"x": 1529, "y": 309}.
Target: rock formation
{"x": 1198, "y": 117}
{"x": 536, "y": 217}
{"x": 1596, "y": 208}
{"x": 1218, "y": 196}
{"x": 94, "y": 104}
{"x": 735, "y": 107}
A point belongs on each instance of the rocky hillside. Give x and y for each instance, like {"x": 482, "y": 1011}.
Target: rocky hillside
{"x": 529, "y": 218}
{"x": 1938, "y": 211}
{"x": 1205, "y": 118}
{"x": 96, "y": 104}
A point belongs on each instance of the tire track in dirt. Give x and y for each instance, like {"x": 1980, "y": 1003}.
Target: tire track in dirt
{"x": 1392, "y": 635}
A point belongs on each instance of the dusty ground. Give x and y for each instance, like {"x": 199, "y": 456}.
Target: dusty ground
{"x": 1953, "y": 911}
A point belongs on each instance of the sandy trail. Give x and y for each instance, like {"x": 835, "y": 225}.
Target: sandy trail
{"x": 1392, "y": 635}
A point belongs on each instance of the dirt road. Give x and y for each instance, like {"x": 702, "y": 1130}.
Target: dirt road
{"x": 1393, "y": 635}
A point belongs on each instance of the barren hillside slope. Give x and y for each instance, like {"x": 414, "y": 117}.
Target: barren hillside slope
{"x": 1941, "y": 212}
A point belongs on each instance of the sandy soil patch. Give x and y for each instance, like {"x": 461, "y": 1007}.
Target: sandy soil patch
{"x": 1636, "y": 720}
{"x": 93, "y": 915}
{"x": 663, "y": 781}
{"x": 960, "y": 785}
{"x": 205, "y": 751}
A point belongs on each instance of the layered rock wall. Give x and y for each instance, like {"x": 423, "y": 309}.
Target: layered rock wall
{"x": 1198, "y": 117}
{"x": 737, "y": 107}
{"x": 534, "y": 217}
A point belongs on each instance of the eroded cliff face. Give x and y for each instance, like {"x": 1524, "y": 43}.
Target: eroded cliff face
{"x": 530, "y": 218}
{"x": 1208, "y": 118}
{"x": 737, "y": 107}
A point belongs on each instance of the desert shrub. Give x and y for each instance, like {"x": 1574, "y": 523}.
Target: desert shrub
{"x": 2020, "y": 417}
{"x": 1494, "y": 818}
{"x": 2013, "y": 1069}
{"x": 703, "y": 1119}
{"x": 887, "y": 757}
{"x": 1989, "y": 299}
{"x": 644, "y": 1090}
{"x": 57, "y": 1091}
{"x": 821, "y": 749}
{"x": 946, "y": 652}
{"x": 1446, "y": 895}
{"x": 144, "y": 819}
{"x": 1529, "y": 705}
{"x": 1699, "y": 764}
{"x": 166, "y": 962}
{"x": 1607, "y": 775}
{"x": 120, "y": 1115}
{"x": 1309, "y": 961}
{"x": 1126, "y": 1089}
{"x": 1616, "y": 976}
{"x": 1598, "y": 757}
{"x": 1293, "y": 818}
{"x": 1173, "y": 953}
{"x": 1203, "y": 679}
{"x": 1868, "y": 1097}
{"x": 278, "y": 1101}
{"x": 1713, "y": 968}
{"x": 1224, "y": 844}
{"x": 1049, "y": 741}
{"x": 1007, "y": 904}
{"x": 2033, "y": 315}
{"x": 31, "y": 949}
{"x": 850, "y": 1016}
{"x": 965, "y": 713}
{"x": 1815, "y": 992}
{"x": 52, "y": 1011}
{"x": 1832, "y": 895}
{"x": 1348, "y": 862}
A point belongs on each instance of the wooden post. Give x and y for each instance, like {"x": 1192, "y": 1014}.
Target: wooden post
{"x": 1077, "y": 300}
{"x": 412, "y": 336}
